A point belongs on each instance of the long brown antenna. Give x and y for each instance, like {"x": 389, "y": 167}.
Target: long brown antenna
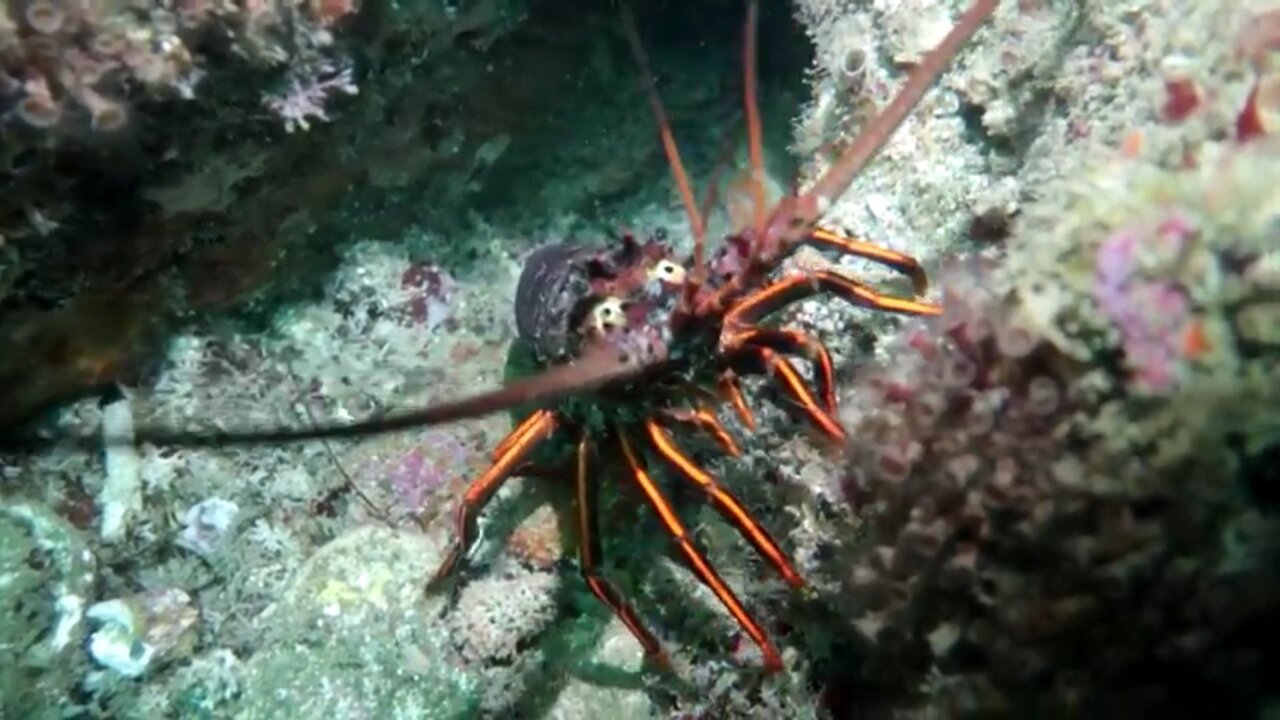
{"x": 813, "y": 204}
{"x": 594, "y": 369}
{"x": 755, "y": 141}
{"x": 793, "y": 220}
{"x": 696, "y": 224}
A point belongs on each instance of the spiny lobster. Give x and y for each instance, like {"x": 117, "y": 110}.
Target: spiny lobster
{"x": 634, "y": 342}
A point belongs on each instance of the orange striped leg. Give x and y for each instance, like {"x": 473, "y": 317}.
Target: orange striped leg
{"x": 724, "y": 502}
{"x": 513, "y": 436}
{"x": 537, "y": 471}
{"x": 707, "y": 421}
{"x": 799, "y": 287}
{"x": 590, "y": 554}
{"x": 892, "y": 259}
{"x": 797, "y": 343}
{"x": 696, "y": 561}
{"x": 481, "y": 491}
{"x": 732, "y": 391}
{"x": 788, "y": 378}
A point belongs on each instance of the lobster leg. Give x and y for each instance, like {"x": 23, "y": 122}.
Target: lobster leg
{"x": 514, "y": 436}
{"x": 481, "y": 491}
{"x": 794, "y": 219}
{"x": 696, "y": 561}
{"x": 792, "y": 384}
{"x": 707, "y": 421}
{"x": 590, "y": 554}
{"x": 795, "y": 342}
{"x": 795, "y": 288}
{"x": 893, "y": 259}
{"x": 732, "y": 390}
{"x": 724, "y": 502}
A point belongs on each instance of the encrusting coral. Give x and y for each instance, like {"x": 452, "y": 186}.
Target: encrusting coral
{"x": 1056, "y": 474}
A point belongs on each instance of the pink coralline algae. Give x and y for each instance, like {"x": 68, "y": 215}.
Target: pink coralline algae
{"x": 430, "y": 291}
{"x": 1151, "y": 315}
{"x": 1020, "y": 543}
{"x": 416, "y": 475}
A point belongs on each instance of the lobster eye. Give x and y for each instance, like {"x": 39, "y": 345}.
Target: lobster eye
{"x": 668, "y": 272}
{"x": 608, "y": 314}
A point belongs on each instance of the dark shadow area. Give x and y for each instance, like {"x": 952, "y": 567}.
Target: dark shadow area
{"x": 512, "y": 129}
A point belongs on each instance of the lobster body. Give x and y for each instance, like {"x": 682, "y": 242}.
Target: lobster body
{"x": 571, "y": 298}
{"x": 551, "y": 285}
{"x": 630, "y": 343}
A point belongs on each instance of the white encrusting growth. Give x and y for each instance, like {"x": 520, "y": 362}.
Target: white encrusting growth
{"x": 121, "y": 494}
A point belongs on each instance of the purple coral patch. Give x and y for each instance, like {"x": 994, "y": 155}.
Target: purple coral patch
{"x": 1150, "y": 315}
{"x": 430, "y": 290}
{"x": 416, "y": 475}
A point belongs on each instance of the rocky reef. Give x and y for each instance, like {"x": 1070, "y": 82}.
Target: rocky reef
{"x": 1059, "y": 497}
{"x": 1062, "y": 478}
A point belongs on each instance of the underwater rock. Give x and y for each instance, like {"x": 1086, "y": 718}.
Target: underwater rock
{"x": 136, "y": 632}
{"x": 206, "y": 524}
{"x": 585, "y": 697}
{"x": 355, "y": 631}
{"x": 1050, "y": 472}
{"x": 46, "y": 576}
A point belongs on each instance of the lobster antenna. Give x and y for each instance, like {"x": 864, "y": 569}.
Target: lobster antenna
{"x": 810, "y": 207}
{"x": 696, "y": 224}
{"x": 594, "y": 369}
{"x": 755, "y": 143}
{"x": 793, "y": 219}
{"x": 712, "y": 195}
